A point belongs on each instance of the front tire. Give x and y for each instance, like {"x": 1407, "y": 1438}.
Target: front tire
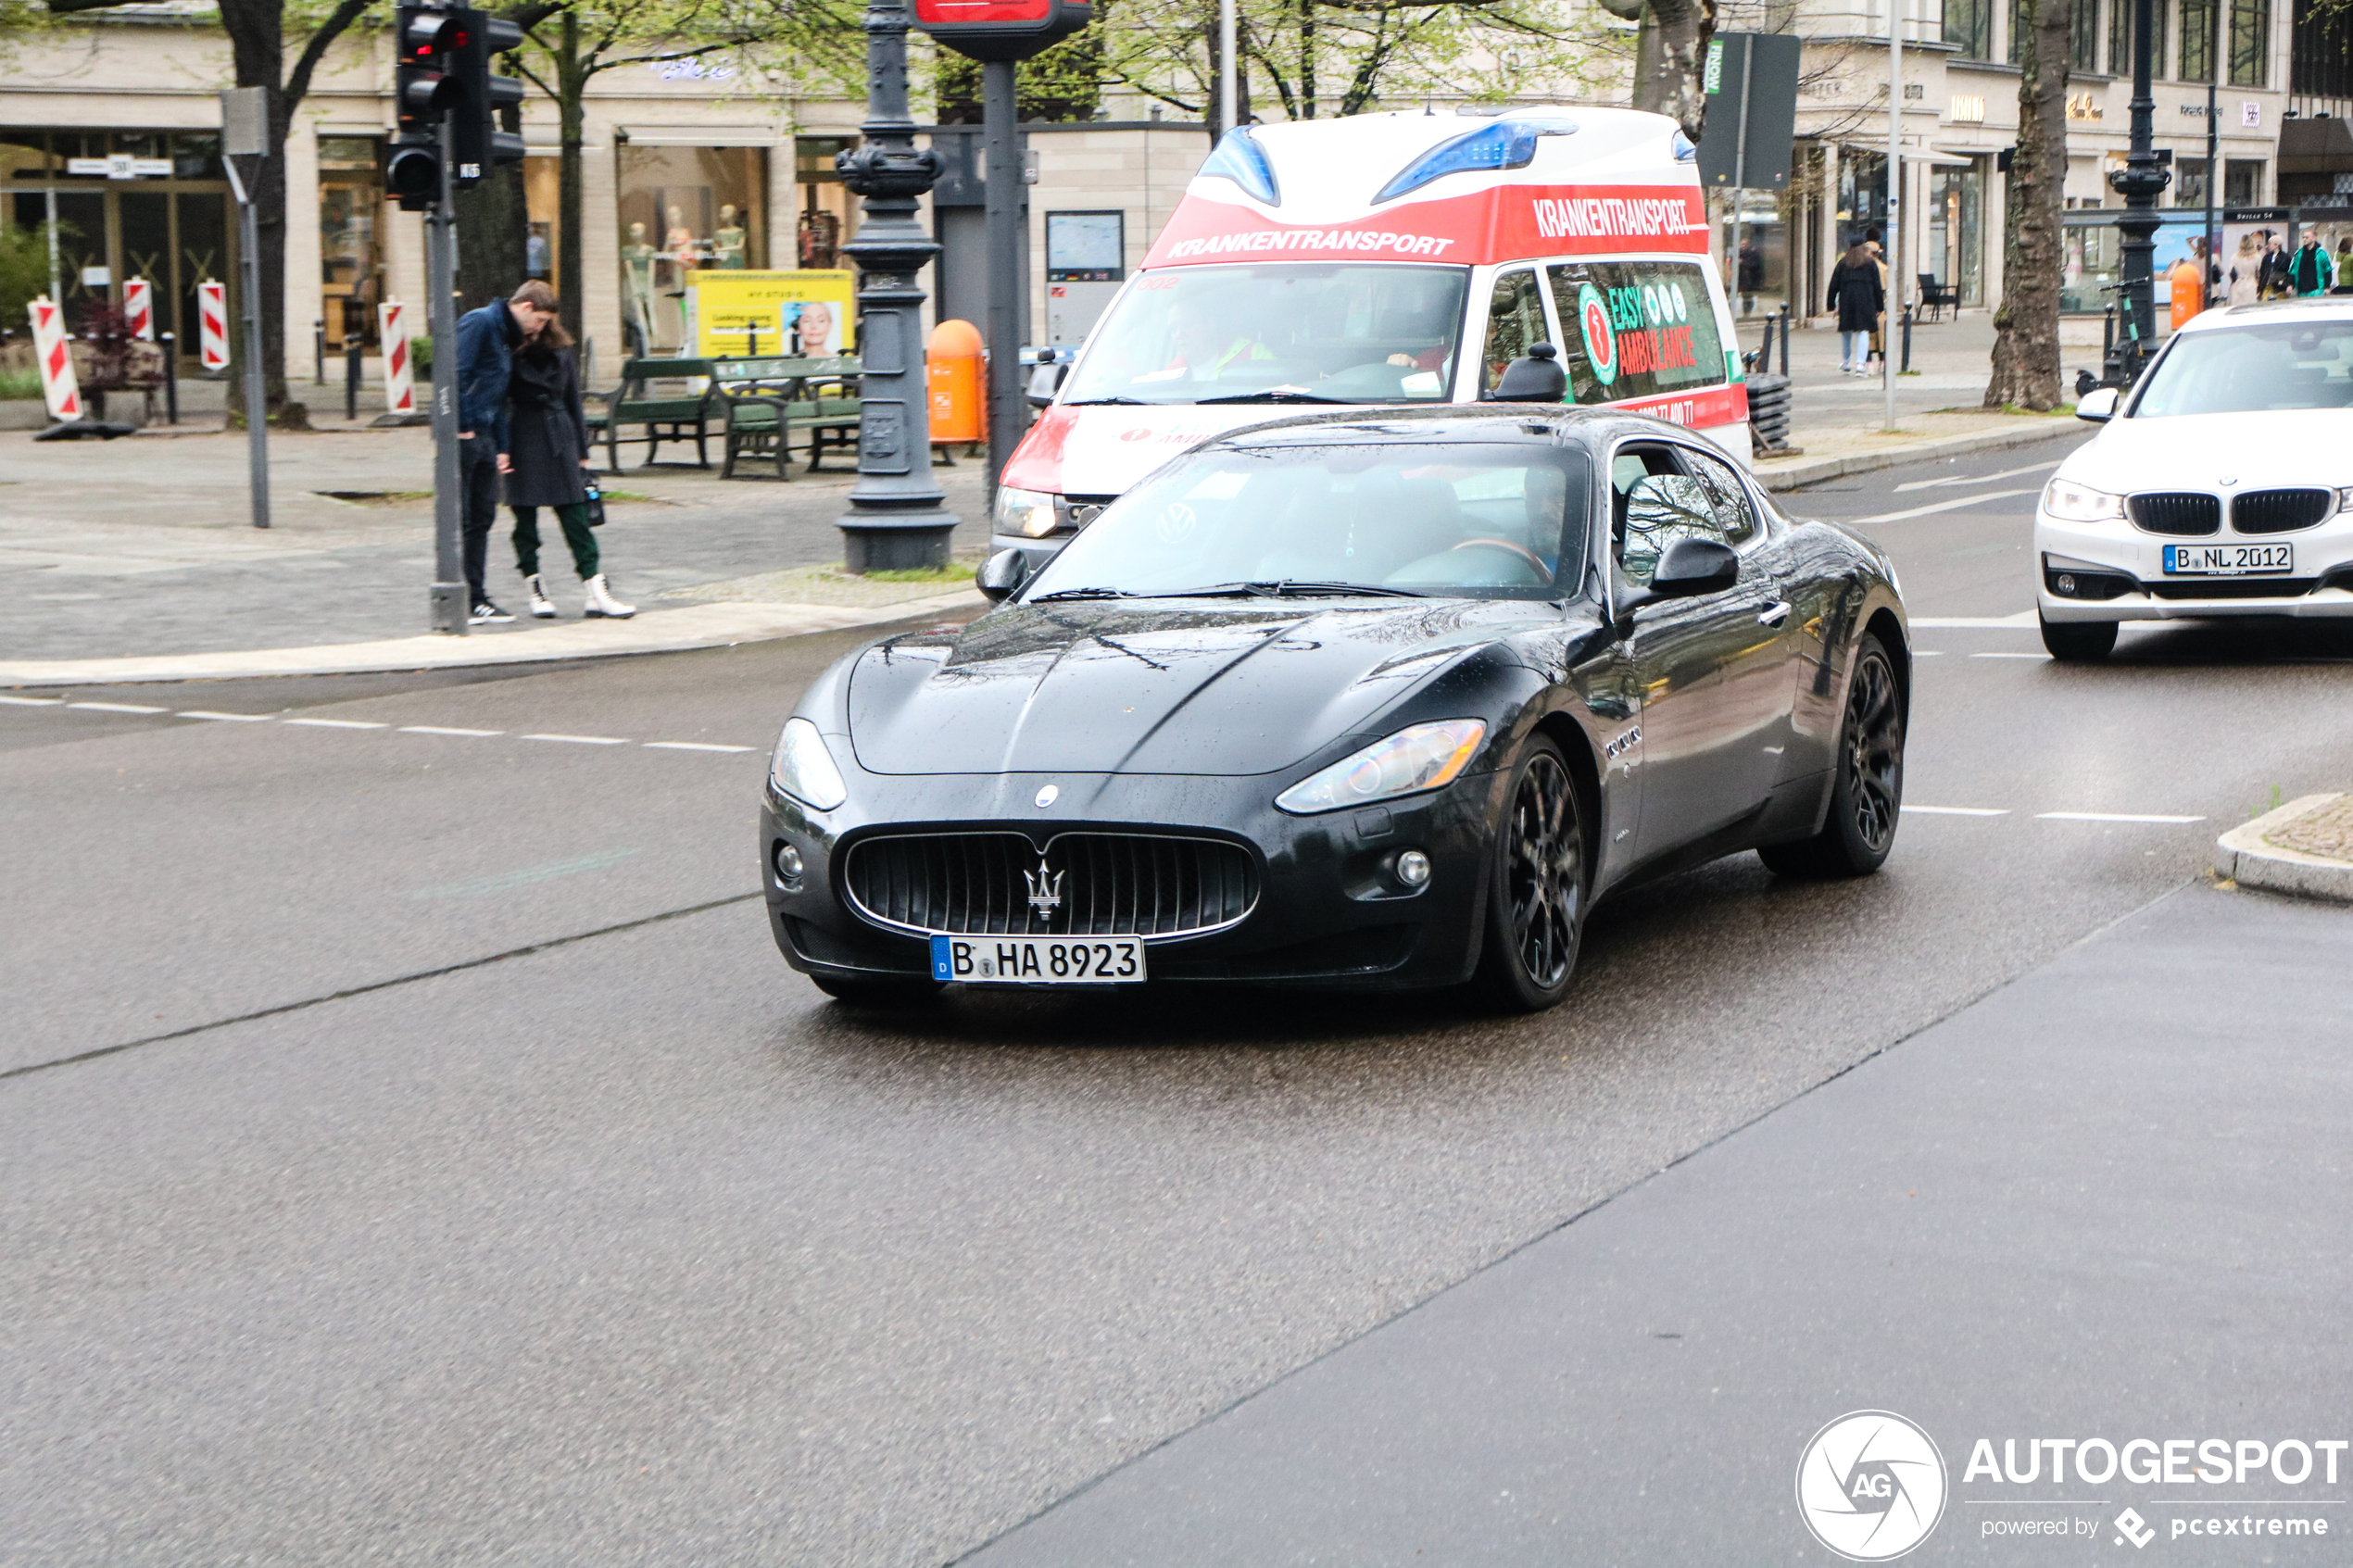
{"x": 907, "y": 993}
{"x": 1867, "y": 796}
{"x": 2079, "y": 641}
{"x": 1536, "y": 888}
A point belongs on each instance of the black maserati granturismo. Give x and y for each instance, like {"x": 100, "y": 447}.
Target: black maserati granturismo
{"x": 1367, "y": 702}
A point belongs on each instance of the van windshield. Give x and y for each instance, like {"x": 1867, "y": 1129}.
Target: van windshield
{"x": 1283, "y": 332}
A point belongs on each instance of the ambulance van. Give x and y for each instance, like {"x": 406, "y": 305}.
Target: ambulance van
{"x": 1392, "y": 261}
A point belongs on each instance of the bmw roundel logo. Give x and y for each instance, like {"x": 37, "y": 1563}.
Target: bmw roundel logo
{"x": 1871, "y": 1486}
{"x": 1601, "y": 342}
{"x": 1048, "y": 796}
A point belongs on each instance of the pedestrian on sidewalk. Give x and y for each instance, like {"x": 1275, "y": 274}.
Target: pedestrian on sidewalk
{"x": 487, "y": 340}
{"x": 545, "y": 457}
{"x": 2309, "y": 272}
{"x": 1856, "y": 293}
{"x": 2247, "y": 272}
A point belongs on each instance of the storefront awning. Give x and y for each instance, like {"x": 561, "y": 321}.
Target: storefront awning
{"x": 700, "y": 135}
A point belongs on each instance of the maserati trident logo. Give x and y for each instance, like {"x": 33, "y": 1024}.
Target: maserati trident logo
{"x": 1044, "y": 888}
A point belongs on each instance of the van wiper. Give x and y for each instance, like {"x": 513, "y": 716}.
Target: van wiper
{"x": 1092, "y": 402}
{"x": 1289, "y": 586}
{"x": 1060, "y": 593}
{"x": 1274, "y": 395}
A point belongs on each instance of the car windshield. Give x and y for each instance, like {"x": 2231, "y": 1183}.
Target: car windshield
{"x": 1281, "y": 333}
{"x": 2255, "y": 368}
{"x": 1458, "y": 521}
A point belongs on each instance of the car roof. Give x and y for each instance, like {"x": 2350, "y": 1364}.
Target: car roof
{"x": 1546, "y": 422}
{"x": 2327, "y": 307}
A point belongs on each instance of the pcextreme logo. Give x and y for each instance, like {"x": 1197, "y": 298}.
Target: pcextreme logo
{"x": 1871, "y": 1486}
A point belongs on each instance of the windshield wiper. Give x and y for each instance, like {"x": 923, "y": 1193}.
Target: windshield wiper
{"x": 1274, "y": 395}
{"x": 1287, "y": 585}
{"x": 1091, "y": 402}
{"x": 1081, "y": 593}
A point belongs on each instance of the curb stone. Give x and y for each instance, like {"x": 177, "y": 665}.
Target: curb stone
{"x": 1796, "y": 476}
{"x": 2242, "y": 855}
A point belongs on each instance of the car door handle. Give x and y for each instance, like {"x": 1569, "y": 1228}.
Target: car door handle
{"x": 1774, "y": 615}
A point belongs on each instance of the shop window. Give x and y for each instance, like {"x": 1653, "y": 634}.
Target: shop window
{"x": 682, "y": 209}
{"x": 350, "y": 262}
{"x": 1968, "y": 27}
{"x": 196, "y": 156}
{"x": 543, "y": 201}
{"x": 1956, "y": 231}
{"x": 825, "y": 208}
{"x": 24, "y": 155}
{"x": 2189, "y": 182}
{"x": 2250, "y": 43}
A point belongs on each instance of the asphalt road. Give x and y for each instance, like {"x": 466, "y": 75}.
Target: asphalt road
{"x": 413, "y": 1148}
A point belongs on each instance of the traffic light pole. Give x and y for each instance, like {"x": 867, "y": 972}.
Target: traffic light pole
{"x": 450, "y": 593}
{"x": 1008, "y": 280}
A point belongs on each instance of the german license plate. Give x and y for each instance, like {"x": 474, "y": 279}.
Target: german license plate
{"x": 2229, "y": 561}
{"x": 1039, "y": 961}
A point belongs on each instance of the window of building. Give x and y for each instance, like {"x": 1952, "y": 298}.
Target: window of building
{"x": 2119, "y": 37}
{"x": 350, "y": 260}
{"x": 1957, "y": 230}
{"x": 2194, "y": 56}
{"x": 1968, "y": 27}
{"x": 825, "y": 210}
{"x": 682, "y": 209}
{"x": 2319, "y": 61}
{"x": 2083, "y": 34}
{"x": 543, "y": 202}
{"x": 2250, "y": 43}
{"x": 2243, "y": 181}
{"x": 2189, "y": 182}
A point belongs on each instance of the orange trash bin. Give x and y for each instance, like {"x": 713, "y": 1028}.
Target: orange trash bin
{"x": 952, "y": 357}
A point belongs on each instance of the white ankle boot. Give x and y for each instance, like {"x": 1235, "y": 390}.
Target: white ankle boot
{"x": 542, "y": 607}
{"x": 602, "y": 605}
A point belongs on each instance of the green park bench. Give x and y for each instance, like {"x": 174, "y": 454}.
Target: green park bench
{"x": 763, "y": 404}
{"x": 675, "y": 414}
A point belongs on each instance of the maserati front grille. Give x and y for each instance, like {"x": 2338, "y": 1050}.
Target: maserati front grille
{"x": 1082, "y": 885}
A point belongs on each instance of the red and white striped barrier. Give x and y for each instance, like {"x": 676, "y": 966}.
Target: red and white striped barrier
{"x": 401, "y": 382}
{"x": 212, "y": 324}
{"x": 54, "y": 350}
{"x": 139, "y": 308}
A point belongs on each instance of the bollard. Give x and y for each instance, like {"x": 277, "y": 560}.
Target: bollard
{"x": 751, "y": 342}
{"x": 952, "y": 357}
{"x": 351, "y": 379}
{"x": 319, "y": 351}
{"x": 171, "y": 380}
{"x": 1786, "y": 324}
{"x": 1764, "y": 350}
{"x": 1908, "y": 310}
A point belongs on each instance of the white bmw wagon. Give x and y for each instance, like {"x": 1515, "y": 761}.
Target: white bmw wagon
{"x": 2222, "y": 484}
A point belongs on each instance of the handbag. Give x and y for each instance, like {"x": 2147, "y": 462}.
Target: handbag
{"x": 595, "y": 502}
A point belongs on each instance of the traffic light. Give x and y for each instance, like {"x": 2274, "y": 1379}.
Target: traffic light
{"x": 423, "y": 91}
{"x": 1001, "y": 30}
{"x": 476, "y": 144}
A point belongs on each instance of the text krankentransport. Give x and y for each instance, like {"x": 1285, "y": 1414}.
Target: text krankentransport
{"x": 1613, "y": 217}
{"x": 1311, "y": 239}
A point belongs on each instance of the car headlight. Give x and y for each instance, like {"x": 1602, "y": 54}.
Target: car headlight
{"x": 803, "y": 768}
{"x": 1029, "y": 513}
{"x": 2345, "y": 499}
{"x": 2070, "y": 502}
{"x": 1422, "y": 757}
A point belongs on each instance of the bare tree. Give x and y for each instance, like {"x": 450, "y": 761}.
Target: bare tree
{"x": 2026, "y": 345}
{"x": 1671, "y": 59}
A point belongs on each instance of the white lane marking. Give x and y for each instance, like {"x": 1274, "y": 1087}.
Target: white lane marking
{"x": 584, "y": 740}
{"x": 116, "y": 708}
{"x": 1956, "y": 504}
{"x": 692, "y": 745}
{"x": 1976, "y": 622}
{"x": 231, "y": 718}
{"x": 437, "y": 730}
{"x": 340, "y": 724}
{"x": 2109, "y": 817}
{"x": 31, "y": 701}
{"x": 1978, "y": 479}
{"x": 1958, "y": 810}
{"x": 2009, "y": 655}
{"x": 1928, "y": 652}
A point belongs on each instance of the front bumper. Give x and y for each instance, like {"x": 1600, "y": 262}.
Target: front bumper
{"x": 1328, "y": 913}
{"x": 2320, "y": 587}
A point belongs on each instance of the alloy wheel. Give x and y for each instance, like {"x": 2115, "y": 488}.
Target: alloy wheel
{"x": 1545, "y": 871}
{"x": 1874, "y": 760}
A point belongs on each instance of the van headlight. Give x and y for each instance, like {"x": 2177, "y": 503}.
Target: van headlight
{"x": 1419, "y": 758}
{"x": 1029, "y": 513}
{"x": 803, "y": 768}
{"x": 2070, "y": 502}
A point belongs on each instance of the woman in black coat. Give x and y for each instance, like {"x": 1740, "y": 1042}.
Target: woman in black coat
{"x": 546, "y": 463}
{"x": 1858, "y": 296}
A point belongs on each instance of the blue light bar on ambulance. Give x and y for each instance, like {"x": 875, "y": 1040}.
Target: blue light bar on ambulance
{"x": 1686, "y": 150}
{"x": 1238, "y": 157}
{"x": 1501, "y": 143}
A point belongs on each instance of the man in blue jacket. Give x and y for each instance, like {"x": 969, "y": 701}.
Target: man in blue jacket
{"x": 486, "y": 342}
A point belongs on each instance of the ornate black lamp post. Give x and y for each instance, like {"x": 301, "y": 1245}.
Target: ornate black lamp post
{"x": 896, "y": 519}
{"x": 2138, "y": 181}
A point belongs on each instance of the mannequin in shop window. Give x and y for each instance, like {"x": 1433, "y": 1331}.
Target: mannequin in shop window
{"x": 728, "y": 240}
{"x": 637, "y": 287}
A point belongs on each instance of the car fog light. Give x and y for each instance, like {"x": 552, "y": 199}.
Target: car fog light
{"x": 1412, "y": 869}
{"x": 2065, "y": 583}
{"x": 788, "y": 865}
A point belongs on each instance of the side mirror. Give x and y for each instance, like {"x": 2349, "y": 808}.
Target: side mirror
{"x": 1694, "y": 566}
{"x": 1044, "y": 381}
{"x": 1001, "y": 574}
{"x": 1537, "y": 379}
{"x": 2097, "y": 405}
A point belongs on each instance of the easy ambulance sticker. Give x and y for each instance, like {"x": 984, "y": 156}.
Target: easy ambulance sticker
{"x": 1601, "y": 341}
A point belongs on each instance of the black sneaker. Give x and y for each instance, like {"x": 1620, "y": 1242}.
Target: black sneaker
{"x": 488, "y": 614}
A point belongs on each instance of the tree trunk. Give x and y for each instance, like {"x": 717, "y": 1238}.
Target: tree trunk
{"x": 2026, "y": 345}
{"x": 493, "y": 225}
{"x": 1670, "y": 58}
{"x": 1307, "y": 58}
{"x": 257, "y": 46}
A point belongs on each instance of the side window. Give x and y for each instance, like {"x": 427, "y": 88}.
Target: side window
{"x": 1729, "y": 496}
{"x": 1653, "y": 503}
{"x": 1515, "y": 320}
{"x": 1635, "y": 328}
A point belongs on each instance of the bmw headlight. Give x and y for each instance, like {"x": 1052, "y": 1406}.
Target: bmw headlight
{"x": 2070, "y": 502}
{"x": 803, "y": 768}
{"x": 2345, "y": 500}
{"x": 1029, "y": 513}
{"x": 1422, "y": 757}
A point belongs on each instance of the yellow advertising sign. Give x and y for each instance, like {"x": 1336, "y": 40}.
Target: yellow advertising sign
{"x": 808, "y": 315}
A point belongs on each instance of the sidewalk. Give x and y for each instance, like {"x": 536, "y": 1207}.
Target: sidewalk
{"x": 134, "y": 559}
{"x": 2107, "y": 1201}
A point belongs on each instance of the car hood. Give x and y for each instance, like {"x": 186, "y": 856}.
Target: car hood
{"x": 1104, "y": 688}
{"x": 2262, "y": 451}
